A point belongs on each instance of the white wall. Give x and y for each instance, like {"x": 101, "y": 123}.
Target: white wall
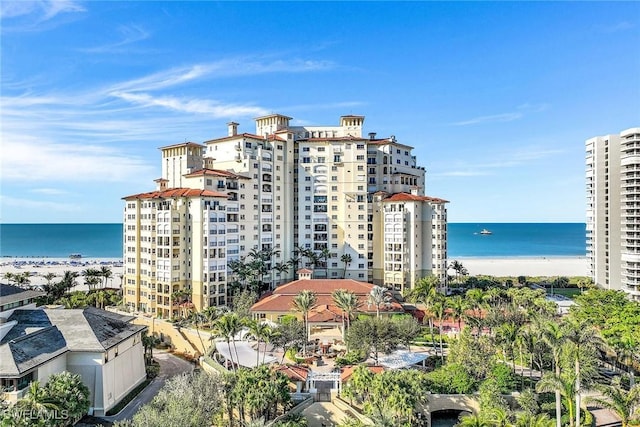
{"x": 53, "y": 366}
{"x": 124, "y": 372}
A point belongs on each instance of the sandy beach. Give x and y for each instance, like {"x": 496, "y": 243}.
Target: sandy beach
{"x": 38, "y": 267}
{"x": 526, "y": 266}
{"x": 509, "y": 266}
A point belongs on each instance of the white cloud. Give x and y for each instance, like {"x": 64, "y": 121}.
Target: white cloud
{"x": 191, "y": 105}
{"x": 30, "y": 15}
{"x": 223, "y": 68}
{"x": 129, "y": 34}
{"x": 495, "y": 118}
{"x": 32, "y": 159}
{"x": 504, "y": 117}
{"x": 49, "y": 191}
{"x": 614, "y": 28}
{"x": 31, "y": 204}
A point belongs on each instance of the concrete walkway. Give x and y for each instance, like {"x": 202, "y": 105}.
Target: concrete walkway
{"x": 323, "y": 414}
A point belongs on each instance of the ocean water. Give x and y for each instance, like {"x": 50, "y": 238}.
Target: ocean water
{"x": 61, "y": 240}
{"x": 517, "y": 240}
{"x": 105, "y": 240}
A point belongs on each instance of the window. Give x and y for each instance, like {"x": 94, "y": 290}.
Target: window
{"x": 320, "y": 149}
{"x": 360, "y": 147}
{"x": 360, "y": 157}
{"x": 305, "y": 149}
{"x": 306, "y": 160}
{"x": 321, "y": 159}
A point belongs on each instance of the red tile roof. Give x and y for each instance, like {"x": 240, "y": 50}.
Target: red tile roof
{"x": 238, "y": 136}
{"x": 294, "y": 372}
{"x": 276, "y": 138}
{"x": 281, "y": 300}
{"x": 348, "y": 371}
{"x": 406, "y": 197}
{"x": 183, "y": 144}
{"x": 334, "y": 138}
{"x": 176, "y": 192}
{"x": 215, "y": 172}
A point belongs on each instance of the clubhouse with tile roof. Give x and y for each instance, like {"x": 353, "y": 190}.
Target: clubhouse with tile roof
{"x": 325, "y": 319}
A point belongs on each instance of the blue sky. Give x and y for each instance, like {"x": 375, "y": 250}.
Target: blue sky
{"x": 496, "y": 98}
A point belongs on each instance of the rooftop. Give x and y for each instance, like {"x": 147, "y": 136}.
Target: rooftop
{"x": 40, "y": 335}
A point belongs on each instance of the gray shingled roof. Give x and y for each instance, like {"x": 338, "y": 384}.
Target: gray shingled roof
{"x": 10, "y": 294}
{"x": 40, "y": 335}
{"x": 31, "y": 350}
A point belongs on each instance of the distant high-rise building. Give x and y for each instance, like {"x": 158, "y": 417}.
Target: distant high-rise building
{"x": 320, "y": 197}
{"x": 613, "y": 210}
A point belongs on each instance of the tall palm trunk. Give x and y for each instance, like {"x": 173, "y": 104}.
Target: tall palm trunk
{"x": 578, "y": 388}
{"x": 558, "y": 398}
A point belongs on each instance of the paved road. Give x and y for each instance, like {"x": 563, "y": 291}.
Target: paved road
{"x": 170, "y": 366}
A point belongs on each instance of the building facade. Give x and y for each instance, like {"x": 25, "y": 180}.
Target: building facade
{"x": 613, "y": 210}
{"x": 292, "y": 196}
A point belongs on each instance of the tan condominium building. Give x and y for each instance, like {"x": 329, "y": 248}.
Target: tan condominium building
{"x": 247, "y": 210}
{"x": 613, "y": 210}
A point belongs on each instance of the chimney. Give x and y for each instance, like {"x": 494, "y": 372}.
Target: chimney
{"x": 304, "y": 274}
{"x": 372, "y": 135}
{"x": 233, "y": 128}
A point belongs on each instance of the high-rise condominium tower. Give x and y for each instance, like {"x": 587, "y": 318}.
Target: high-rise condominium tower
{"x": 613, "y": 210}
{"x": 320, "y": 197}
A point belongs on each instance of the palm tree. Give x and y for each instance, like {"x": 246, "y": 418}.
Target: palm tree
{"x": 22, "y": 279}
{"x": 615, "y": 398}
{"x": 37, "y": 399}
{"x": 324, "y": 256}
{"x": 258, "y": 330}
{"x": 506, "y": 335}
{"x": 525, "y": 419}
{"x": 553, "y": 337}
{"x": 584, "y": 337}
{"x": 439, "y": 311}
{"x": 475, "y": 300}
{"x": 9, "y": 277}
{"x": 282, "y": 268}
{"x": 349, "y": 303}
{"x": 346, "y": 259}
{"x": 228, "y": 327}
{"x": 105, "y": 273}
{"x": 49, "y": 277}
{"x": 304, "y": 302}
{"x": 474, "y": 420}
{"x": 426, "y": 292}
{"x": 458, "y": 305}
{"x": 100, "y": 298}
{"x": 377, "y": 297}
{"x": 565, "y": 384}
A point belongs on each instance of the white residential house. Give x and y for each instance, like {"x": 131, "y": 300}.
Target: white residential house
{"x": 104, "y": 348}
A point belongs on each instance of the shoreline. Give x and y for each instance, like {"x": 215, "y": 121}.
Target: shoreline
{"x": 514, "y": 266}
{"x": 542, "y": 266}
{"x": 38, "y": 267}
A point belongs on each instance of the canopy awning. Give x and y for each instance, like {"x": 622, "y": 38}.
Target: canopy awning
{"x": 246, "y": 354}
{"x": 402, "y": 359}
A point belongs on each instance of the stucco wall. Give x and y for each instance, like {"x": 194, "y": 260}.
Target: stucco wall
{"x": 54, "y": 366}
{"x": 122, "y": 373}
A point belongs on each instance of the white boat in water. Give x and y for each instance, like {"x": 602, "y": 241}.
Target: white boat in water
{"x": 485, "y": 231}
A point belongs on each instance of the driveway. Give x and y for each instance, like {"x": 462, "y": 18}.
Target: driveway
{"x": 170, "y": 366}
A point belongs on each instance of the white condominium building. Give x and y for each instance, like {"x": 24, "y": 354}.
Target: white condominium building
{"x": 613, "y": 210}
{"x": 320, "y": 197}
